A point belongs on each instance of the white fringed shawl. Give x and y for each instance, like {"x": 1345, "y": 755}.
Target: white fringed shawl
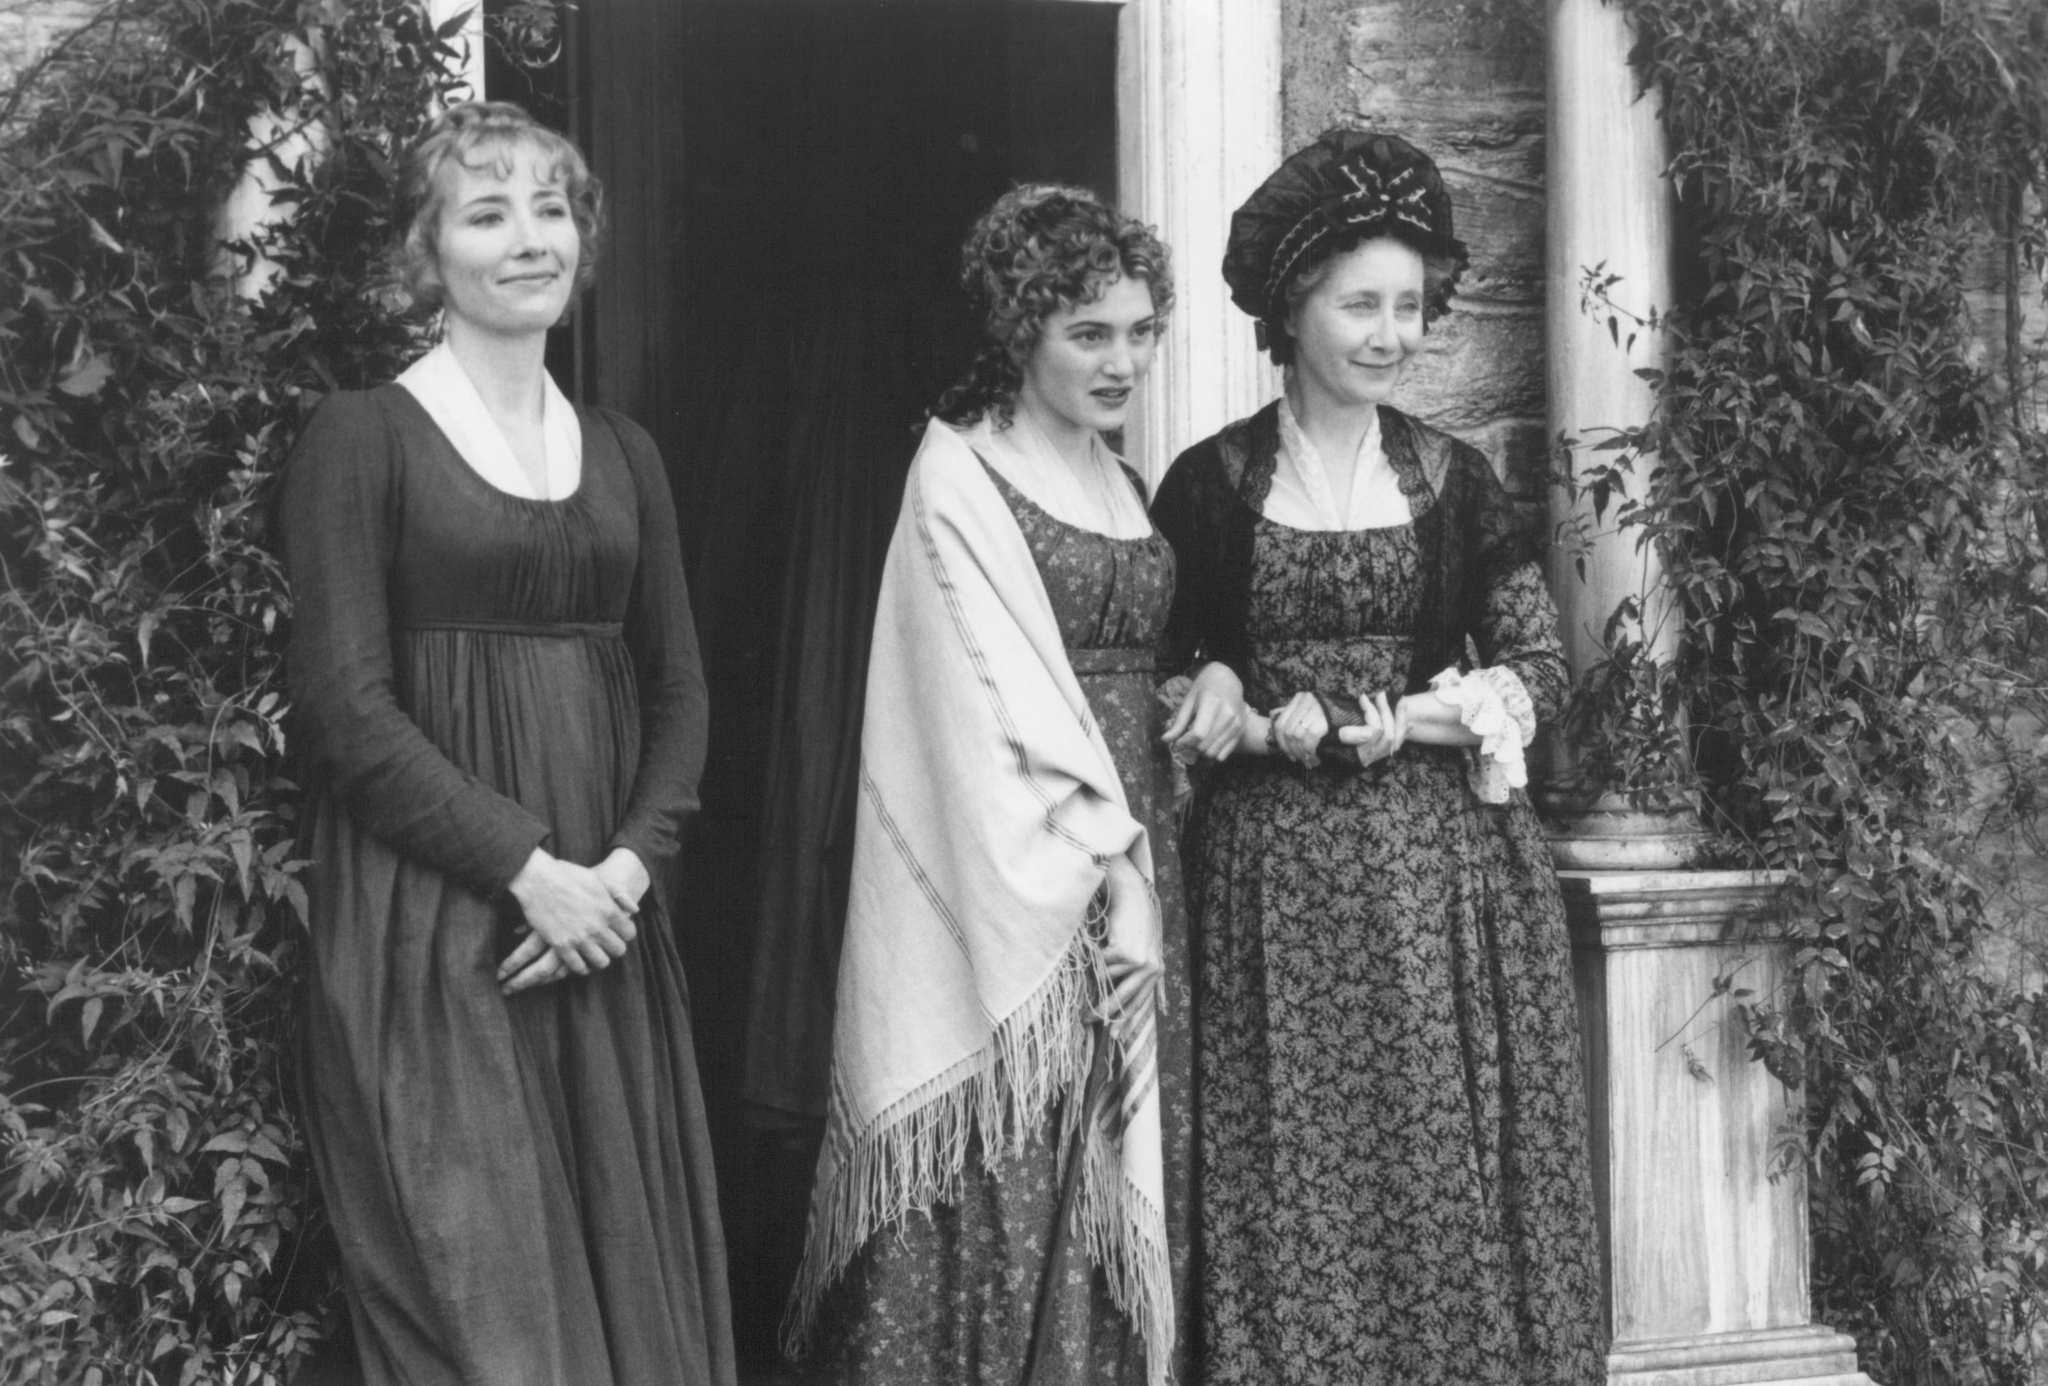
{"x": 989, "y": 807}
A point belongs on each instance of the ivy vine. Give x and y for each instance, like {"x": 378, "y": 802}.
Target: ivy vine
{"x": 1851, "y": 505}
{"x": 155, "y": 1197}
{"x": 1845, "y": 477}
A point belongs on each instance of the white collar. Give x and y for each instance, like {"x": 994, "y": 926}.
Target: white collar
{"x": 444, "y": 389}
{"x": 1099, "y": 499}
{"x": 1301, "y": 497}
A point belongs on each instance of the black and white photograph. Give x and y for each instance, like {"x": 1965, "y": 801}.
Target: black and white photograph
{"x": 1023, "y": 693}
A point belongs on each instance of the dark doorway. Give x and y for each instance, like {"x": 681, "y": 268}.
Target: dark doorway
{"x": 790, "y": 182}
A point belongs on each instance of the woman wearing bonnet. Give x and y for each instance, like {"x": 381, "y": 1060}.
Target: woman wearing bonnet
{"x": 1394, "y": 1183}
{"x": 1001, "y": 1195}
{"x": 503, "y": 715}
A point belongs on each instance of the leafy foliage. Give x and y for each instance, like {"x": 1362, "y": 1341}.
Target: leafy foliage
{"x": 156, "y": 1195}
{"x": 1847, "y": 502}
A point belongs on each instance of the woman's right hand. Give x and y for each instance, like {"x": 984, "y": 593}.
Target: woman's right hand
{"x": 1132, "y": 952}
{"x": 1211, "y": 718}
{"x": 1382, "y": 733}
{"x": 577, "y": 926}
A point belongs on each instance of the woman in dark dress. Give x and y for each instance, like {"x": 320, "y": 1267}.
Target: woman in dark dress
{"x": 503, "y": 715}
{"x": 1002, "y": 1193}
{"x": 1391, "y": 1136}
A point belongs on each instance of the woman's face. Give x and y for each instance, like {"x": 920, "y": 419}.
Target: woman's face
{"x": 1356, "y": 329}
{"x": 1089, "y": 358}
{"x": 506, "y": 246}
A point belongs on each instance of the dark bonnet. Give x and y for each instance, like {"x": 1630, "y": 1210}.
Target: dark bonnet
{"x": 1349, "y": 182}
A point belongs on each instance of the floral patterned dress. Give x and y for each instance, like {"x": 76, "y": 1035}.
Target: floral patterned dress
{"x": 1393, "y": 1182}
{"x": 954, "y": 1299}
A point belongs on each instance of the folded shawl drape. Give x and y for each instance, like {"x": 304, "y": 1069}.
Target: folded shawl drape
{"x": 989, "y": 807}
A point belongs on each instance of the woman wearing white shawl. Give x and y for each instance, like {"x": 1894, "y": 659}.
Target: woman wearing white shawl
{"x": 1001, "y": 1195}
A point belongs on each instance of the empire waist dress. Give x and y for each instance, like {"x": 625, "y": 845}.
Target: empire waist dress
{"x": 1391, "y": 1140}
{"x": 952, "y": 1298}
{"x": 522, "y": 1188}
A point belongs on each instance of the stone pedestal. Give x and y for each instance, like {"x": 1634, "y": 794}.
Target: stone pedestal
{"x": 1808, "y": 1356}
{"x": 1706, "y": 1253}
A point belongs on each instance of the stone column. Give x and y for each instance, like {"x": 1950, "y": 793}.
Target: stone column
{"x": 1706, "y": 1252}
{"x": 1608, "y": 208}
{"x": 1609, "y": 212}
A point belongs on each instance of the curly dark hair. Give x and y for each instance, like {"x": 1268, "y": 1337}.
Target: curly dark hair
{"x": 477, "y": 134}
{"x": 1042, "y": 248}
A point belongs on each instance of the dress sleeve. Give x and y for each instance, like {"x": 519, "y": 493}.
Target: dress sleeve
{"x": 1514, "y": 620}
{"x": 674, "y": 706}
{"x": 1522, "y": 678}
{"x": 1191, "y": 637}
{"x": 1520, "y": 662}
{"x": 1517, "y": 636}
{"x": 340, "y": 511}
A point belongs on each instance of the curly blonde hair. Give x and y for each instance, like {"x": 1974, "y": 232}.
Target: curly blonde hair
{"x": 477, "y": 135}
{"x": 1041, "y": 248}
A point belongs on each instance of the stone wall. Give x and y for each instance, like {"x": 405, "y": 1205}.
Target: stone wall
{"x": 1465, "y": 82}
{"x": 29, "y": 27}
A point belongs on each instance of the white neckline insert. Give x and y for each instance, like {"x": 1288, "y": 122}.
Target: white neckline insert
{"x": 1301, "y": 496}
{"x": 444, "y": 389}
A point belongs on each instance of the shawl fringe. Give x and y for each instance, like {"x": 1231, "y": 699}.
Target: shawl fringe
{"x": 914, "y": 1156}
{"x": 969, "y": 980}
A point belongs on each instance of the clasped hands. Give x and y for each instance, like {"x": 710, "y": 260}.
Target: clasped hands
{"x": 1300, "y": 726}
{"x": 578, "y": 918}
{"x": 1212, "y": 722}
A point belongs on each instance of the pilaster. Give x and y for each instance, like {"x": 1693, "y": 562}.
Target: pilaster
{"x": 1198, "y": 112}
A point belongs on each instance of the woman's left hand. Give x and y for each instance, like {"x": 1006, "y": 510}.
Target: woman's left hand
{"x": 625, "y": 877}
{"x": 1299, "y": 728}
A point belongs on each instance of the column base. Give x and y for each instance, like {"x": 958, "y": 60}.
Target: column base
{"x": 1808, "y": 1356}
{"x": 1605, "y": 832}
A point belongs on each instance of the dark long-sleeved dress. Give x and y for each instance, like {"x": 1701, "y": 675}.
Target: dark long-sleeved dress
{"x": 952, "y": 1298}
{"x": 1393, "y": 1182}
{"x": 522, "y": 1187}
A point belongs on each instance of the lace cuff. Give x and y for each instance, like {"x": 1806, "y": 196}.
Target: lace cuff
{"x": 1495, "y": 707}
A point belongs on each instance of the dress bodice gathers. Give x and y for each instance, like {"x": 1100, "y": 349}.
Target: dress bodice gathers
{"x": 471, "y": 554}
{"x": 1107, "y": 593}
{"x": 1330, "y": 609}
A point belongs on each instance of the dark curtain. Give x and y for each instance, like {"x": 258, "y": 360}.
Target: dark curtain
{"x": 861, "y": 375}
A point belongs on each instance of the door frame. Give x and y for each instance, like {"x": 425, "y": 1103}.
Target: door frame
{"x": 1192, "y": 76}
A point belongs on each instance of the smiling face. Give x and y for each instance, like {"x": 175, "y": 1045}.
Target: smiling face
{"x": 506, "y": 245}
{"x": 1359, "y": 324}
{"x": 1088, "y": 359}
